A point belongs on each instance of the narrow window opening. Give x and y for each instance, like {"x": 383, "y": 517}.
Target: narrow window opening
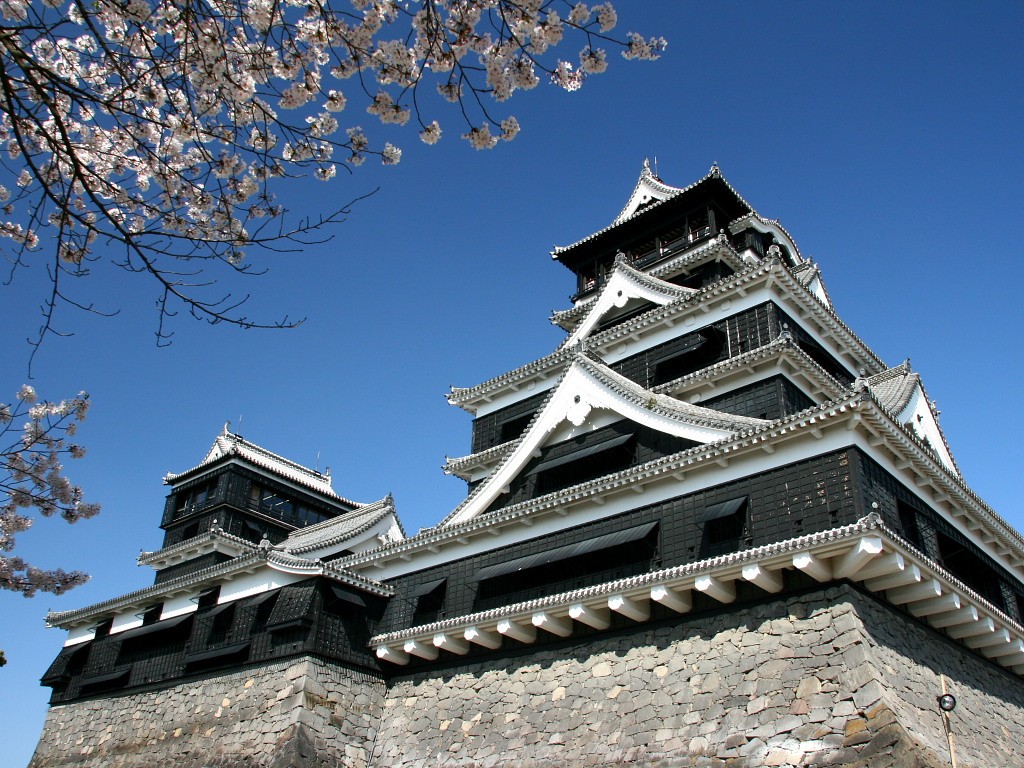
{"x": 222, "y": 623}
{"x": 613, "y": 556}
{"x": 103, "y": 629}
{"x": 263, "y": 611}
{"x": 909, "y": 524}
{"x": 725, "y": 527}
{"x": 513, "y": 428}
{"x": 584, "y": 462}
{"x": 195, "y": 498}
{"x": 209, "y": 598}
{"x": 430, "y": 602}
{"x": 152, "y": 615}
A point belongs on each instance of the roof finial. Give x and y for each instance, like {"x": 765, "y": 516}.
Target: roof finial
{"x": 227, "y": 428}
{"x": 715, "y": 170}
{"x": 647, "y": 164}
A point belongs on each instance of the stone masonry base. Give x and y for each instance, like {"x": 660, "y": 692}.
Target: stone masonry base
{"x": 829, "y": 678}
{"x": 300, "y": 713}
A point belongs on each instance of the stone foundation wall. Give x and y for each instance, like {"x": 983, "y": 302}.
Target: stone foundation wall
{"x": 830, "y": 678}
{"x": 301, "y": 712}
{"x": 833, "y": 678}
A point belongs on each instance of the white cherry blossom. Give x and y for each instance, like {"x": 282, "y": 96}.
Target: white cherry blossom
{"x": 156, "y": 126}
{"x": 33, "y": 444}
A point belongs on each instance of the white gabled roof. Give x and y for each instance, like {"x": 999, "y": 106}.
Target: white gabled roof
{"x": 649, "y": 188}
{"x": 255, "y": 558}
{"x": 229, "y": 444}
{"x": 755, "y": 221}
{"x": 856, "y": 414}
{"x": 649, "y": 192}
{"x": 625, "y": 284}
{"x": 809, "y": 274}
{"x": 768, "y": 272}
{"x": 585, "y": 388}
{"x": 717, "y": 248}
{"x": 900, "y": 392}
{"x": 346, "y": 529}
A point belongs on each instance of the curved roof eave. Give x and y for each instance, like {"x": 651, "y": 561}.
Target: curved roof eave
{"x": 714, "y": 175}
{"x": 228, "y": 445}
{"x": 339, "y": 529}
{"x": 781, "y": 348}
{"x": 851, "y": 405}
{"x": 769, "y": 269}
{"x": 597, "y": 386}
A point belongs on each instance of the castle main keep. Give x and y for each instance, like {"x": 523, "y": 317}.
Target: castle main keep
{"x": 711, "y": 528}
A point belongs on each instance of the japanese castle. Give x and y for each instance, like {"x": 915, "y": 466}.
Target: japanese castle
{"x": 712, "y": 525}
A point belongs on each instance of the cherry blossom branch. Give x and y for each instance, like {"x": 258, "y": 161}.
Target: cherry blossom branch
{"x": 160, "y": 125}
{"x": 32, "y": 478}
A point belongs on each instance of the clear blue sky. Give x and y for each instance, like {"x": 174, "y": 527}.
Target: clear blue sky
{"x": 885, "y": 137}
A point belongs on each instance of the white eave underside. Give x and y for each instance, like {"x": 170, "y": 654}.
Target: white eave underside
{"x": 859, "y": 411}
{"x": 865, "y": 552}
{"x": 194, "y": 582}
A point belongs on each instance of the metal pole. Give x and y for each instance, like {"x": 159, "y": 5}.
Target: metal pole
{"x": 950, "y": 738}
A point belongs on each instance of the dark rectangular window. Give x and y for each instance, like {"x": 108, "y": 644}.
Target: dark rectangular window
{"x": 264, "y": 608}
{"x": 513, "y": 428}
{"x": 698, "y": 225}
{"x": 220, "y": 629}
{"x": 280, "y": 506}
{"x": 152, "y": 614}
{"x": 971, "y": 569}
{"x": 697, "y": 351}
{"x": 429, "y": 601}
{"x": 908, "y": 524}
{"x": 725, "y": 525}
{"x": 587, "y": 462}
{"x": 208, "y": 598}
{"x": 194, "y": 498}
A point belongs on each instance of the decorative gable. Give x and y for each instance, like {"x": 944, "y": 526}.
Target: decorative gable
{"x": 625, "y": 285}
{"x": 228, "y": 444}
{"x": 649, "y": 189}
{"x": 588, "y": 397}
{"x": 900, "y": 391}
